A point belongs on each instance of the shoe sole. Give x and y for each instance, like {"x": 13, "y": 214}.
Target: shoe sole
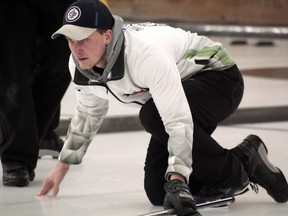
{"x": 17, "y": 184}
{"x": 48, "y": 152}
{"x": 244, "y": 190}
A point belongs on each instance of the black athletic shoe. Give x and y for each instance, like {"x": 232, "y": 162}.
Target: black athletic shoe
{"x": 51, "y": 146}
{"x": 16, "y": 174}
{"x": 261, "y": 171}
{"x": 208, "y": 194}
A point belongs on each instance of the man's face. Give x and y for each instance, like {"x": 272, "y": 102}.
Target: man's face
{"x": 91, "y": 51}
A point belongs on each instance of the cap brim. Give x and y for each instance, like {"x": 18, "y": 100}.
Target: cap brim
{"x": 74, "y": 32}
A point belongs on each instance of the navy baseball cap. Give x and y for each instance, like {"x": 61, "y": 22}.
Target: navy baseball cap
{"x": 84, "y": 17}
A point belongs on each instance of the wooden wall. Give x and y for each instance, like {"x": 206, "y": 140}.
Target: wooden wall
{"x": 240, "y": 12}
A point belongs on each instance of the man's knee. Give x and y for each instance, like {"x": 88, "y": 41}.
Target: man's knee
{"x": 147, "y": 114}
{"x": 152, "y": 122}
{"x": 154, "y": 191}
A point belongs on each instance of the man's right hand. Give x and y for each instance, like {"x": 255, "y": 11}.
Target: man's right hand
{"x": 53, "y": 179}
{"x": 178, "y": 196}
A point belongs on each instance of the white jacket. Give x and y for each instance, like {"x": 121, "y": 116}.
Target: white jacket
{"x": 153, "y": 61}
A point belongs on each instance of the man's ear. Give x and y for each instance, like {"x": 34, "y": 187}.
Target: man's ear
{"x": 108, "y": 36}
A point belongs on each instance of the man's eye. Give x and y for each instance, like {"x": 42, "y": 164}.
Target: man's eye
{"x": 84, "y": 40}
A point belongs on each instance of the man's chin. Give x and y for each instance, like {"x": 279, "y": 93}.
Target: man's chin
{"x": 84, "y": 67}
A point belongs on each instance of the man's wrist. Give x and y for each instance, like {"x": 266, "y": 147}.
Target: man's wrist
{"x": 177, "y": 176}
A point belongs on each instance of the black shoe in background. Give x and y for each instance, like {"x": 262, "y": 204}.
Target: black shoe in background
{"x": 51, "y": 145}
{"x": 261, "y": 171}
{"x": 16, "y": 174}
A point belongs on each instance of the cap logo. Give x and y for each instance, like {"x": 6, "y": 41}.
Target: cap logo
{"x": 73, "y": 14}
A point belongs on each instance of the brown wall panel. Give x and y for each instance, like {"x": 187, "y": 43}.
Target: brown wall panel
{"x": 242, "y": 12}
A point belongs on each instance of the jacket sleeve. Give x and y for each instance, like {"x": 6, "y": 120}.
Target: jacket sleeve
{"x": 160, "y": 74}
{"x": 87, "y": 119}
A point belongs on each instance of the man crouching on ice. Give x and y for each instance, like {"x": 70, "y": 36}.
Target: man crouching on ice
{"x": 185, "y": 85}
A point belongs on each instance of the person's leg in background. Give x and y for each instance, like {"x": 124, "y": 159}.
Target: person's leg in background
{"x": 52, "y": 76}
{"x": 19, "y": 153}
{"x": 21, "y": 32}
{"x": 52, "y": 143}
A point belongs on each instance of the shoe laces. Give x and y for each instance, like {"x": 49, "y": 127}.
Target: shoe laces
{"x": 254, "y": 187}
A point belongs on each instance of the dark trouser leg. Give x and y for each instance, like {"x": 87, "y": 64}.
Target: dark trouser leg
{"x": 212, "y": 97}
{"x": 22, "y": 23}
{"x": 55, "y": 122}
{"x": 155, "y": 168}
{"x": 18, "y": 34}
{"x": 52, "y": 76}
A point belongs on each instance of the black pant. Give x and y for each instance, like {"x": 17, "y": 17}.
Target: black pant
{"x": 33, "y": 75}
{"x": 212, "y": 96}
